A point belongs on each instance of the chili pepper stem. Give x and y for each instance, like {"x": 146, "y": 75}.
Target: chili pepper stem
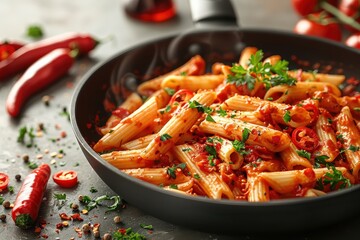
{"x": 24, "y": 221}
{"x": 339, "y": 15}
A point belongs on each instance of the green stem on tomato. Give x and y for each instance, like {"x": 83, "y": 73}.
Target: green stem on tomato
{"x": 339, "y": 15}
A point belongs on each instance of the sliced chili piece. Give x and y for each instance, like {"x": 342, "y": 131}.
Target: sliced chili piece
{"x": 4, "y": 181}
{"x": 305, "y": 138}
{"x": 314, "y": 111}
{"x": 183, "y": 95}
{"x": 66, "y": 179}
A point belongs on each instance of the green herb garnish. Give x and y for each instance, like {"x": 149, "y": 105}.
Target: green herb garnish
{"x": 165, "y": 137}
{"x": 304, "y": 154}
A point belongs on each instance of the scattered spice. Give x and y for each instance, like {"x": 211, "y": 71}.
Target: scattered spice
{"x": 18, "y": 177}
{"x": 6, "y": 204}
{"x": 75, "y": 207}
{"x": 117, "y": 219}
{"x": 3, "y": 217}
{"x": 86, "y": 228}
{"x": 25, "y": 158}
{"x": 46, "y": 100}
{"x": 107, "y": 236}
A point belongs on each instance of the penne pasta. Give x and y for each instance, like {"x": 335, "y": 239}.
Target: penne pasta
{"x": 192, "y": 83}
{"x": 273, "y": 140}
{"x": 211, "y": 183}
{"x": 177, "y": 126}
{"x": 133, "y": 124}
{"x": 249, "y": 131}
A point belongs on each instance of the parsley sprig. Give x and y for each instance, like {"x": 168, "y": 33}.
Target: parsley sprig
{"x": 270, "y": 75}
{"x": 334, "y": 179}
{"x": 203, "y": 109}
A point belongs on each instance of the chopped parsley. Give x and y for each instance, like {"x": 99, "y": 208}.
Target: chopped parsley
{"x": 33, "y": 165}
{"x": 239, "y": 146}
{"x": 354, "y": 148}
{"x": 184, "y": 74}
{"x": 127, "y": 234}
{"x": 287, "y": 117}
{"x": 60, "y": 196}
{"x": 93, "y": 190}
{"x": 171, "y": 171}
{"x": 245, "y": 134}
{"x": 1, "y": 200}
{"x": 26, "y": 136}
{"x": 148, "y": 227}
{"x": 270, "y": 75}
{"x": 321, "y": 160}
{"x": 357, "y": 109}
{"x": 186, "y": 149}
{"x": 35, "y": 31}
{"x": 93, "y": 203}
{"x": 203, "y": 109}
{"x": 304, "y": 154}
{"x": 197, "y": 176}
{"x": 334, "y": 179}
{"x": 11, "y": 189}
{"x": 169, "y": 91}
{"x": 165, "y": 137}
{"x": 221, "y": 112}
{"x": 173, "y": 186}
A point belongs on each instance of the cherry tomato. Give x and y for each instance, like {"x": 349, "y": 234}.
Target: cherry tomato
{"x": 305, "y": 138}
{"x": 305, "y": 7}
{"x": 353, "y": 41}
{"x": 183, "y": 95}
{"x": 4, "y": 181}
{"x": 350, "y": 8}
{"x": 320, "y": 26}
{"x": 65, "y": 179}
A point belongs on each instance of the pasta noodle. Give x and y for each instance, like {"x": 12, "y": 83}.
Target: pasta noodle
{"x": 254, "y": 131}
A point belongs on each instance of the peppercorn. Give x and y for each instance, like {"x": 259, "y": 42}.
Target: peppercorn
{"x": 18, "y": 177}
{"x": 46, "y": 100}
{"x": 117, "y": 219}
{"x": 74, "y": 207}
{"x": 86, "y": 228}
{"x": 96, "y": 234}
{"x": 107, "y": 236}
{"x": 40, "y": 126}
{"x": 3, "y": 217}
{"x": 25, "y": 157}
{"x": 81, "y": 198}
{"x": 6, "y": 204}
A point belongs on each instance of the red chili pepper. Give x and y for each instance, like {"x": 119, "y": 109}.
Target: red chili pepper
{"x": 31, "y": 52}
{"x": 183, "y": 95}
{"x": 66, "y": 179}
{"x": 8, "y": 47}
{"x": 305, "y": 138}
{"x": 29, "y": 198}
{"x": 4, "y": 181}
{"x": 42, "y": 73}
{"x": 312, "y": 109}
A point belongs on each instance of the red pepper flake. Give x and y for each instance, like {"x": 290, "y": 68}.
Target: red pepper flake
{"x": 122, "y": 231}
{"x": 63, "y": 134}
{"x": 37, "y": 229}
{"x": 63, "y": 216}
{"x": 45, "y": 236}
{"x": 88, "y": 125}
{"x": 59, "y": 226}
{"x": 76, "y": 217}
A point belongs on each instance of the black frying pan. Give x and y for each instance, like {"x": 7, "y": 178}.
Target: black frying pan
{"x": 116, "y": 77}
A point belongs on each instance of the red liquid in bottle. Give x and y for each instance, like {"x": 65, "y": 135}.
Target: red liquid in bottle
{"x": 151, "y": 10}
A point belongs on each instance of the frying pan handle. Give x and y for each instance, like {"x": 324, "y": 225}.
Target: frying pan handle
{"x": 213, "y": 12}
